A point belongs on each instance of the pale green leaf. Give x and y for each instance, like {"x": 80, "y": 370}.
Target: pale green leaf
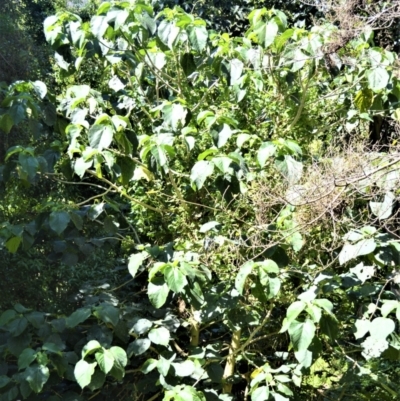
{"x": 378, "y": 78}
{"x": 175, "y": 279}
{"x": 302, "y": 334}
{"x": 157, "y": 294}
{"x": 135, "y": 261}
{"x": 105, "y": 360}
{"x": 363, "y": 247}
{"x": 381, "y": 327}
{"x": 83, "y": 372}
{"x": 159, "y": 336}
{"x": 200, "y": 172}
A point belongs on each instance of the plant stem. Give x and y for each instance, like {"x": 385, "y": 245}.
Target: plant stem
{"x": 231, "y": 361}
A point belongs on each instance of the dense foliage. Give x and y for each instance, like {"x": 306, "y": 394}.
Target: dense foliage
{"x": 202, "y": 215}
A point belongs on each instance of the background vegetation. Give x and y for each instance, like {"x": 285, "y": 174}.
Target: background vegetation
{"x": 199, "y": 202}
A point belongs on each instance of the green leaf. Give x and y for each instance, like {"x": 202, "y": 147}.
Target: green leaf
{"x": 278, "y": 397}
{"x": 37, "y": 376}
{"x": 107, "y": 313}
{"x": 224, "y": 135}
{"x": 362, "y": 328}
{"x": 200, "y": 172}
{"x": 209, "y": 226}
{"x": 198, "y": 36}
{"x": 269, "y": 266}
{"x": 29, "y": 164}
{"x": 292, "y": 313}
{"x": 99, "y": 25}
{"x": 388, "y": 306}
{"x": 80, "y": 166}
{"x": 142, "y": 326}
{"x": 175, "y": 279}
{"x": 378, "y": 78}
{"x": 168, "y": 33}
{"x": 77, "y": 317}
{"x": 7, "y": 316}
{"x": 105, "y": 359}
{"x": 267, "y": 150}
{"x": 27, "y": 356}
{"x": 174, "y": 115}
{"x": 135, "y": 261}
{"x": 6, "y": 123}
{"x": 97, "y": 381}
{"x": 4, "y": 380}
{"x": 242, "y": 275}
{"x": 383, "y": 210}
{"x": 363, "y": 247}
{"x": 188, "y": 64}
{"x": 17, "y": 326}
{"x": 291, "y": 169}
{"x": 159, "y": 336}
{"x": 157, "y": 294}
{"x": 90, "y": 348}
{"x": 302, "y": 334}
{"x": 100, "y": 136}
{"x": 381, "y": 327}
{"x": 236, "y": 69}
{"x": 120, "y": 357}
{"x": 40, "y": 88}
{"x": 184, "y": 369}
{"x": 163, "y": 366}
{"x": 267, "y": 32}
{"x": 13, "y": 244}
{"x": 260, "y": 394}
{"x": 149, "y": 365}
{"x": 139, "y": 346}
{"x": 58, "y": 221}
{"x": 273, "y": 287}
{"x": 364, "y": 99}
{"x": 83, "y": 372}
{"x": 324, "y": 304}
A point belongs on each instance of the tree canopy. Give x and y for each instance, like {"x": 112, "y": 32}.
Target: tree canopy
{"x": 199, "y": 209}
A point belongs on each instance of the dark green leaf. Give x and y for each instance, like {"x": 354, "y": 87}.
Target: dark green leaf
{"x": 27, "y": 356}
{"x": 107, "y": 313}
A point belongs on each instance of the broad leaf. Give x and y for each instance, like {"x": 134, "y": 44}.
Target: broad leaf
{"x": 198, "y": 36}
{"x": 37, "y": 376}
{"x": 135, "y": 261}
{"x": 139, "y": 346}
{"x": 26, "y": 358}
{"x": 381, "y": 327}
{"x": 159, "y": 336}
{"x": 242, "y": 275}
{"x": 100, "y": 136}
{"x": 157, "y": 294}
{"x": 378, "y": 78}
{"x": 175, "y": 279}
{"x": 363, "y": 247}
{"x": 83, "y": 372}
{"x": 105, "y": 360}
{"x": 142, "y": 326}
{"x": 200, "y": 172}
{"x": 77, "y": 317}
{"x": 58, "y": 221}
{"x": 302, "y": 334}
